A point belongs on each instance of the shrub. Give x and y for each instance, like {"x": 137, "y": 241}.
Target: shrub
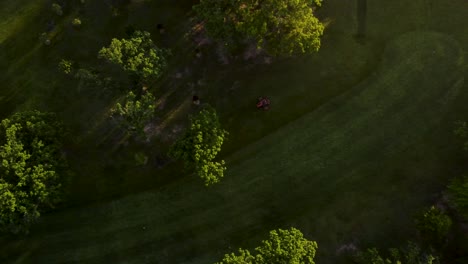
{"x": 140, "y": 158}
{"x": 91, "y": 81}
{"x": 76, "y": 22}
{"x": 458, "y": 195}
{"x": 461, "y": 131}
{"x": 433, "y": 224}
{"x": 65, "y": 66}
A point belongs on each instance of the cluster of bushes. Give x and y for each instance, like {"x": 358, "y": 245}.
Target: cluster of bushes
{"x": 435, "y": 227}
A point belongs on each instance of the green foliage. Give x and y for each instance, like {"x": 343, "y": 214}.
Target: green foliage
{"x": 370, "y": 256}
{"x": 57, "y": 9}
{"x": 461, "y": 130}
{"x": 200, "y": 144}
{"x": 411, "y": 254}
{"x": 287, "y": 246}
{"x": 137, "y": 55}
{"x": 282, "y": 247}
{"x": 76, "y": 22}
{"x": 89, "y": 79}
{"x": 65, "y": 66}
{"x": 433, "y": 224}
{"x": 85, "y": 75}
{"x": 281, "y": 27}
{"x": 244, "y": 257}
{"x": 135, "y": 113}
{"x": 31, "y": 163}
{"x": 458, "y": 195}
{"x": 140, "y": 158}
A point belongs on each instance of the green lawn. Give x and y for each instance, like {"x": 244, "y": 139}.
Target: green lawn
{"x": 357, "y": 139}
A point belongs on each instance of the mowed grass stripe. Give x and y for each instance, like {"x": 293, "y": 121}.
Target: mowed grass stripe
{"x": 306, "y": 173}
{"x": 14, "y": 15}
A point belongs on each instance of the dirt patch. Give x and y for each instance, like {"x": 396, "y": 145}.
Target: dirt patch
{"x": 161, "y": 104}
{"x": 347, "y": 249}
{"x": 152, "y": 129}
{"x": 199, "y": 36}
{"x": 168, "y": 134}
{"x": 251, "y": 52}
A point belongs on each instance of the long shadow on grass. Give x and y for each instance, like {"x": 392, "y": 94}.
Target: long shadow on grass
{"x": 328, "y": 174}
{"x": 361, "y": 18}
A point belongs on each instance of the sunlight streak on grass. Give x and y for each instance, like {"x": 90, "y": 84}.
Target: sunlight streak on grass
{"x": 14, "y": 15}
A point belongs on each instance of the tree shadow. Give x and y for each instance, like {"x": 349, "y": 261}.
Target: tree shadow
{"x": 361, "y": 15}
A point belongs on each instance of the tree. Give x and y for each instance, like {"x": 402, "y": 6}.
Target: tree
{"x": 244, "y": 257}
{"x": 66, "y": 66}
{"x": 287, "y": 246}
{"x": 410, "y": 254}
{"x": 200, "y": 144}
{"x": 461, "y": 130}
{"x": 135, "y": 113}
{"x": 458, "y": 195}
{"x": 76, "y": 22}
{"x": 282, "y": 247}
{"x": 94, "y": 82}
{"x": 32, "y": 168}
{"x": 371, "y": 256}
{"x": 434, "y": 225}
{"x": 137, "y": 55}
{"x": 281, "y": 27}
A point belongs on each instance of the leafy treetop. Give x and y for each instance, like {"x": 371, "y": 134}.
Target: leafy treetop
{"x": 434, "y": 225}
{"x": 281, "y": 27}
{"x": 135, "y": 113}
{"x": 458, "y": 195}
{"x": 282, "y": 247}
{"x": 137, "y": 55}
{"x": 31, "y": 167}
{"x": 200, "y": 144}
{"x": 411, "y": 254}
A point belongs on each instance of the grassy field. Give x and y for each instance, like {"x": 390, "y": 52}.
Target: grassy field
{"x": 358, "y": 137}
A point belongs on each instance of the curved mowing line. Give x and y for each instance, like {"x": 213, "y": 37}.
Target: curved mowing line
{"x": 303, "y": 162}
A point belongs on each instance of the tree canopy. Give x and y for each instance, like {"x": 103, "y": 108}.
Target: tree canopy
{"x": 31, "y": 167}
{"x": 458, "y": 195}
{"x": 135, "y": 113}
{"x": 282, "y": 247}
{"x": 281, "y": 27}
{"x": 434, "y": 225}
{"x": 458, "y": 188}
{"x": 200, "y": 144}
{"x": 410, "y": 254}
{"x": 461, "y": 130}
{"x": 137, "y": 55}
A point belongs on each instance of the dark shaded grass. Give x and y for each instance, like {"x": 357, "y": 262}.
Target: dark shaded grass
{"x": 323, "y": 174}
{"x": 187, "y": 223}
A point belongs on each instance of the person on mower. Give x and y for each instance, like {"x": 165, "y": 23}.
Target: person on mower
{"x": 263, "y": 102}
